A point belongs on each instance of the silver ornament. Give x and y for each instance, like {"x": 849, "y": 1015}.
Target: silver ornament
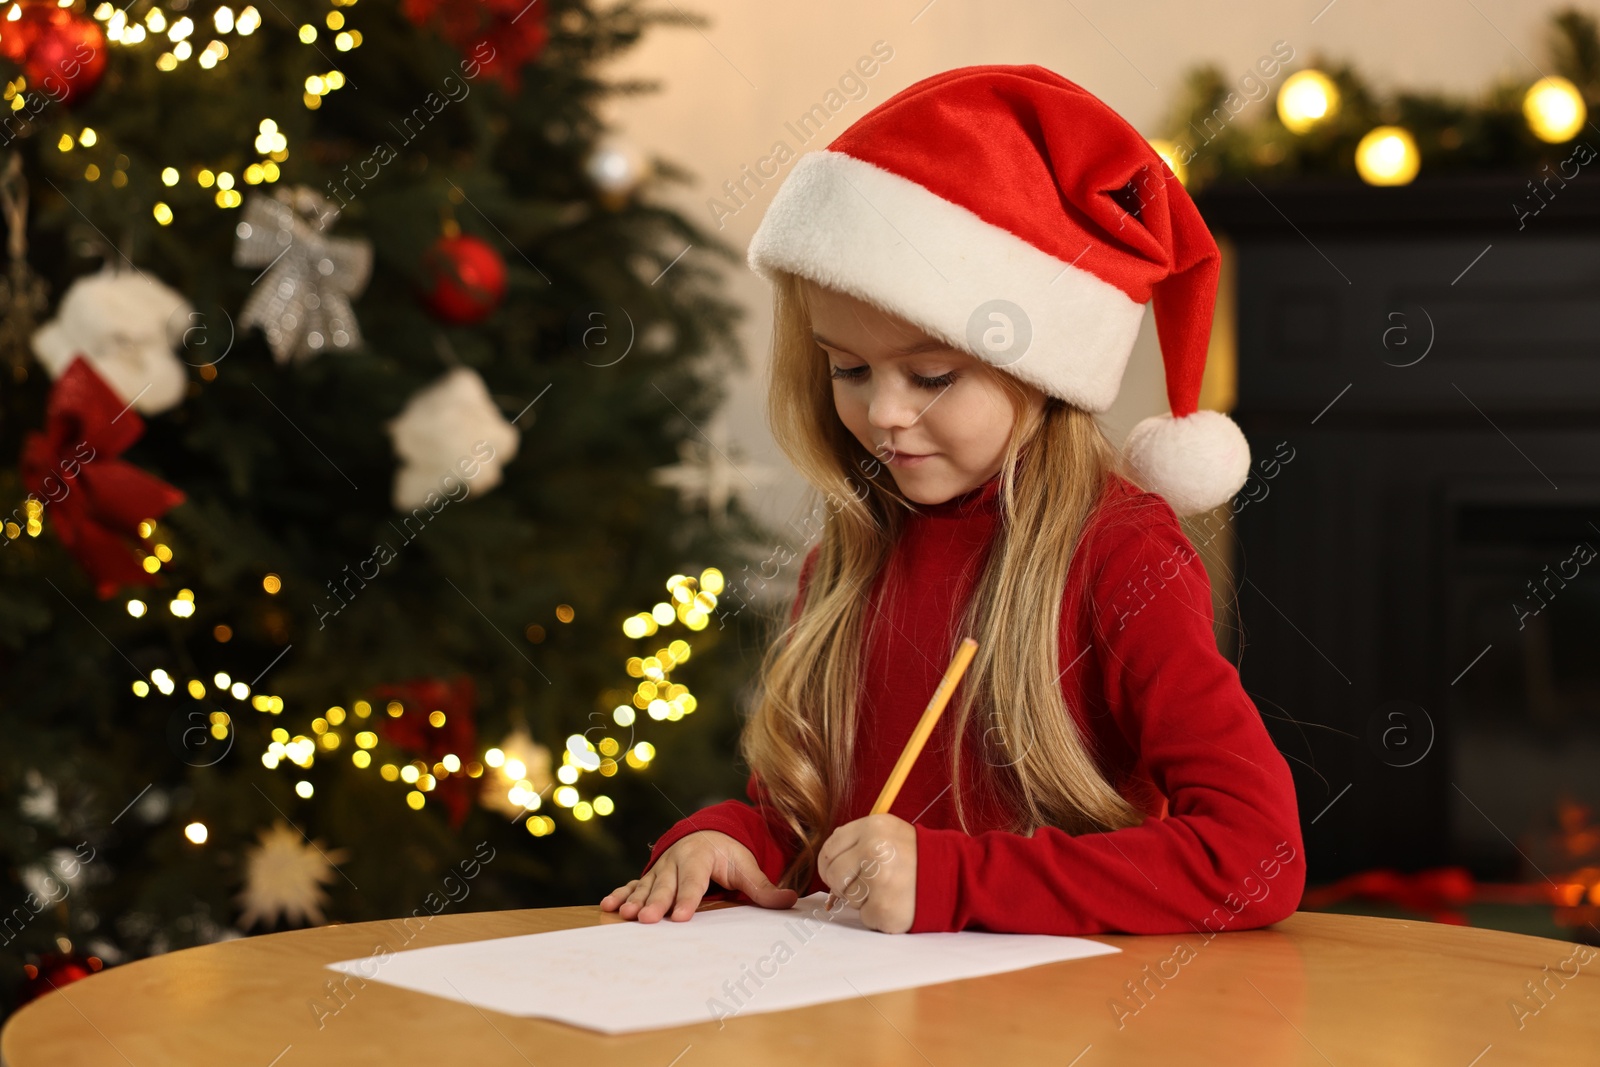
{"x": 302, "y": 300}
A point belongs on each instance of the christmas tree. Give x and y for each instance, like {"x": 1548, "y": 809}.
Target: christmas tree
{"x": 352, "y": 391}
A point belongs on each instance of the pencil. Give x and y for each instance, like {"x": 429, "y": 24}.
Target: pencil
{"x": 919, "y": 736}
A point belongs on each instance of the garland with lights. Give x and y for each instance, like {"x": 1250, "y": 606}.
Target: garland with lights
{"x": 1326, "y": 119}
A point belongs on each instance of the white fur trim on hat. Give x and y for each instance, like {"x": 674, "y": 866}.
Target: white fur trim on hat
{"x": 855, "y": 227}
{"x": 1196, "y": 462}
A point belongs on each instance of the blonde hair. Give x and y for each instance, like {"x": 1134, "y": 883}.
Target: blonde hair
{"x": 799, "y": 739}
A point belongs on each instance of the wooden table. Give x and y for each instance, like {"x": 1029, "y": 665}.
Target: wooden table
{"x": 1314, "y": 989}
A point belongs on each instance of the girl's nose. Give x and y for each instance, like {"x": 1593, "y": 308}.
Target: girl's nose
{"x": 892, "y": 407}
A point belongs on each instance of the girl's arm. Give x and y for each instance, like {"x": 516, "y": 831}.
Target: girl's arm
{"x": 743, "y": 822}
{"x": 1228, "y": 855}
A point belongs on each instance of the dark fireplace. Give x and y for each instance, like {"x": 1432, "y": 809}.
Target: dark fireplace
{"x": 1419, "y": 594}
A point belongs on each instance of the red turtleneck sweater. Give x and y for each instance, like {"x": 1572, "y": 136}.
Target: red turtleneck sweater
{"x": 1160, "y": 707}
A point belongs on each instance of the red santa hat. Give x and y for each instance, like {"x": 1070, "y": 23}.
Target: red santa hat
{"x": 1012, "y": 214}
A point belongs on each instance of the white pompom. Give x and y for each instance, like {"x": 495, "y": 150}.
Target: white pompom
{"x": 1196, "y": 462}
{"x": 126, "y": 324}
{"x": 450, "y": 434}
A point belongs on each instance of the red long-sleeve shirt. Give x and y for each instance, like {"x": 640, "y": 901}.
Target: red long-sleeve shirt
{"x": 1163, "y": 712}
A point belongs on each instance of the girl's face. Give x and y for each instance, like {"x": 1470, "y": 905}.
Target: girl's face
{"x": 936, "y": 416}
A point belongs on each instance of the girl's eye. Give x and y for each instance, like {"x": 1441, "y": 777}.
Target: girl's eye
{"x": 943, "y": 381}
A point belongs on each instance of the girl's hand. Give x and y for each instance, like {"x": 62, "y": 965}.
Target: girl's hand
{"x": 872, "y": 863}
{"x": 680, "y": 878}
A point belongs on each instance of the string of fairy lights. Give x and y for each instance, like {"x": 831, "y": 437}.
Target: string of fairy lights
{"x": 506, "y": 768}
{"x": 176, "y": 38}
{"x": 1387, "y": 155}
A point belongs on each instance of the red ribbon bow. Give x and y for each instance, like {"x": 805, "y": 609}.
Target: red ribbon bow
{"x": 502, "y": 36}
{"x": 458, "y": 735}
{"x": 95, "y": 500}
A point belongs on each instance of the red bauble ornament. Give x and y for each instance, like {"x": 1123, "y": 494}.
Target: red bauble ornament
{"x": 469, "y": 278}
{"x": 54, "y": 970}
{"x": 61, "y": 53}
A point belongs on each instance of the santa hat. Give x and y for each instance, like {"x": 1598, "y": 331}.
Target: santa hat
{"x": 1012, "y": 214}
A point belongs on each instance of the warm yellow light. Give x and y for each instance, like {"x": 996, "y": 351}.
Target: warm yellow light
{"x": 308, "y": 33}
{"x": 137, "y": 608}
{"x": 452, "y": 763}
{"x": 196, "y": 832}
{"x": 567, "y": 773}
{"x": 566, "y": 796}
{"x": 335, "y": 20}
{"x": 344, "y": 42}
{"x": 603, "y": 805}
{"x": 583, "y": 811}
{"x": 622, "y": 715}
{"x": 1169, "y": 155}
{"x": 272, "y": 583}
{"x": 633, "y": 626}
{"x": 196, "y": 687}
{"x": 1387, "y": 155}
{"x": 249, "y": 21}
{"x": 435, "y": 718}
{"x": 167, "y": 61}
{"x": 514, "y": 768}
{"x": 335, "y": 715}
{"x": 409, "y": 774}
{"x": 181, "y": 29}
{"x": 360, "y": 758}
{"x": 239, "y": 690}
{"x": 141, "y": 688}
{"x": 155, "y": 20}
{"x": 169, "y": 176}
{"x": 367, "y": 739}
{"x": 223, "y": 19}
{"x": 389, "y": 771}
{"x": 163, "y": 215}
{"x": 645, "y": 751}
{"x": 1306, "y": 98}
{"x": 415, "y": 800}
{"x": 494, "y": 758}
{"x": 303, "y": 788}
{"x": 1554, "y": 109}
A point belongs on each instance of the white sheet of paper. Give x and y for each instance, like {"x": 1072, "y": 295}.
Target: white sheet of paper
{"x": 621, "y": 977}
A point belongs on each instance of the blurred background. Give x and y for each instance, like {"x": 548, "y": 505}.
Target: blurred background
{"x": 390, "y": 523}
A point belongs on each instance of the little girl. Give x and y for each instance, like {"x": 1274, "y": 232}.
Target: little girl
{"x": 958, "y": 282}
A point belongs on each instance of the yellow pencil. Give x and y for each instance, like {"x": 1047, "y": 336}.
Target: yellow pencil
{"x": 919, "y": 736}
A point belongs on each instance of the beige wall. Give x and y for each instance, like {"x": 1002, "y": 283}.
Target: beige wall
{"x": 728, "y": 90}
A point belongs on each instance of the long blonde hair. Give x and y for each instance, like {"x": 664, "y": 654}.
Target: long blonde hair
{"x": 800, "y": 737}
